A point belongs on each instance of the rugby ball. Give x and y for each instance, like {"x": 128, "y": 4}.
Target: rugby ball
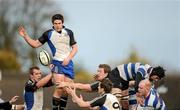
{"x": 44, "y": 58}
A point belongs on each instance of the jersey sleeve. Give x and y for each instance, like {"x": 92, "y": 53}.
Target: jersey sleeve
{"x": 99, "y": 101}
{"x": 142, "y": 70}
{"x": 30, "y": 86}
{"x": 44, "y": 37}
{"x": 5, "y": 106}
{"x": 49, "y": 83}
{"x": 94, "y": 86}
{"x": 71, "y": 35}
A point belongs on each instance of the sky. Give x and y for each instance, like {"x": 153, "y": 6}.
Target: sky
{"x": 107, "y": 30}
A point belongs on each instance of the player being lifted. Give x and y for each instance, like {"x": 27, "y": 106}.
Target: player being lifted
{"x": 63, "y": 46}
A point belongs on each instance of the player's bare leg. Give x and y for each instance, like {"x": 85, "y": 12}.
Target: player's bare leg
{"x": 64, "y": 96}
{"x": 60, "y": 97}
{"x": 58, "y": 92}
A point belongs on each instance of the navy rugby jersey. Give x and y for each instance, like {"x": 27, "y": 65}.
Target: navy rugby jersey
{"x": 33, "y": 96}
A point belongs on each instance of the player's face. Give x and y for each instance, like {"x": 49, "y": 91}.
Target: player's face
{"x": 58, "y": 25}
{"x": 36, "y": 75}
{"x": 141, "y": 89}
{"x": 154, "y": 78}
{"x": 100, "y": 74}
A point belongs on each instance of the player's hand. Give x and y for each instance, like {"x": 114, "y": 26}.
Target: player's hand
{"x": 13, "y": 99}
{"x": 131, "y": 83}
{"x": 61, "y": 85}
{"x": 22, "y": 31}
{"x": 65, "y": 61}
{"x": 71, "y": 91}
{"x": 80, "y": 96}
{"x": 51, "y": 66}
{"x": 96, "y": 77}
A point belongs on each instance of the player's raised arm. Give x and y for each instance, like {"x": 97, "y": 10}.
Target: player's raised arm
{"x": 33, "y": 43}
{"x": 44, "y": 81}
{"x": 81, "y": 86}
{"x": 76, "y": 99}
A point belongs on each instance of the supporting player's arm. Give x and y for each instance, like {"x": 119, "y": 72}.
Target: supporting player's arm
{"x": 85, "y": 87}
{"x": 8, "y": 105}
{"x": 33, "y": 86}
{"x": 44, "y": 81}
{"x": 76, "y": 99}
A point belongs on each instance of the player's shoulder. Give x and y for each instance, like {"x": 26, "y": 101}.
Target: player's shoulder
{"x": 47, "y": 31}
{"x": 30, "y": 85}
{"x": 69, "y": 31}
{"x": 29, "y": 82}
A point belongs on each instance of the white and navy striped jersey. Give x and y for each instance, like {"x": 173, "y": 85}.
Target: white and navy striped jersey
{"x": 153, "y": 101}
{"x": 128, "y": 71}
{"x": 132, "y": 96}
{"x": 106, "y": 102}
{"x": 59, "y": 42}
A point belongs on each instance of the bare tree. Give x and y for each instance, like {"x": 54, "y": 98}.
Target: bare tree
{"x": 7, "y": 30}
{"x": 30, "y": 13}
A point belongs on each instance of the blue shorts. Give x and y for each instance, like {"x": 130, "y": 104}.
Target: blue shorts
{"x": 60, "y": 69}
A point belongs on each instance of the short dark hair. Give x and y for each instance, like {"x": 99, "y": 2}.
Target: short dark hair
{"x": 106, "y": 67}
{"x": 57, "y": 17}
{"x": 107, "y": 85}
{"x": 33, "y": 68}
{"x": 159, "y": 71}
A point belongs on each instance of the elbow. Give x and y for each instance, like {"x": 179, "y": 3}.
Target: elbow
{"x": 75, "y": 48}
{"x": 34, "y": 46}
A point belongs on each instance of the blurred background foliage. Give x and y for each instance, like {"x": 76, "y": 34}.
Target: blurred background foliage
{"x": 16, "y": 55}
{"x": 22, "y": 13}
{"x": 9, "y": 61}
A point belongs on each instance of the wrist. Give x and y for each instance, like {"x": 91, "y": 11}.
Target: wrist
{"x": 68, "y": 58}
{"x": 25, "y": 36}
